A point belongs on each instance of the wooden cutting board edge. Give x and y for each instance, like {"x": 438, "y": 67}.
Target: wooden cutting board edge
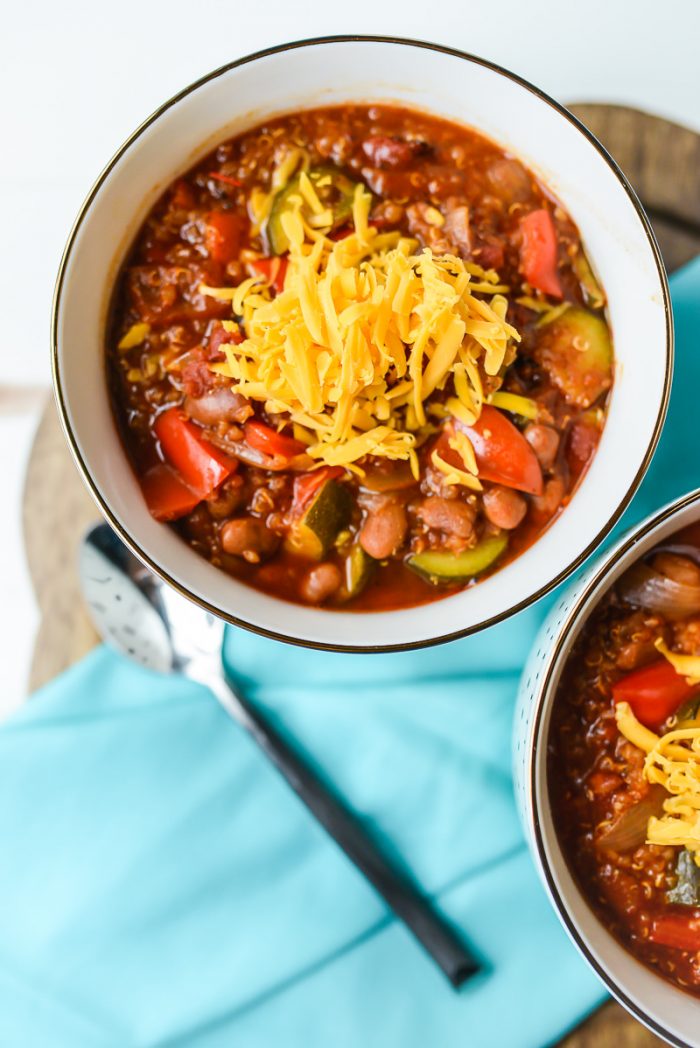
{"x": 661, "y": 159}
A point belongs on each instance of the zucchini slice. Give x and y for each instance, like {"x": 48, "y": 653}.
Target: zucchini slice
{"x": 593, "y": 294}
{"x": 323, "y": 519}
{"x": 575, "y": 350}
{"x": 335, "y": 191}
{"x": 359, "y": 567}
{"x": 440, "y": 567}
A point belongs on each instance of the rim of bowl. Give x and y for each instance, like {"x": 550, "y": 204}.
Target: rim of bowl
{"x": 546, "y": 695}
{"x": 133, "y": 544}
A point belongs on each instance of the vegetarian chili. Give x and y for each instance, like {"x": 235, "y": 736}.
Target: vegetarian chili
{"x": 624, "y": 755}
{"x": 358, "y": 357}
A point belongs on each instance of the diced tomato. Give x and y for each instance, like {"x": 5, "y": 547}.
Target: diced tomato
{"x": 197, "y": 378}
{"x": 200, "y": 465}
{"x": 167, "y": 497}
{"x": 307, "y": 484}
{"x": 680, "y": 931}
{"x": 274, "y": 270}
{"x": 654, "y": 692}
{"x": 503, "y": 455}
{"x": 270, "y": 442}
{"x": 538, "y": 252}
{"x": 220, "y": 337}
{"x": 222, "y": 235}
{"x": 226, "y": 179}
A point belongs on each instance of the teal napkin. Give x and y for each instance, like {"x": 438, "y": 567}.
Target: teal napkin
{"x": 161, "y": 886}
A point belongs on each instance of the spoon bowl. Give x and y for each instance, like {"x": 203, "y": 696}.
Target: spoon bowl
{"x": 137, "y": 614}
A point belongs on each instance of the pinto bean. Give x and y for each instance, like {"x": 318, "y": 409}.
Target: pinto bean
{"x": 320, "y": 582}
{"x": 551, "y": 498}
{"x": 504, "y": 507}
{"x": 248, "y": 537}
{"x": 544, "y": 441}
{"x": 509, "y": 180}
{"x": 449, "y": 516}
{"x": 384, "y": 530}
{"x": 220, "y": 404}
{"x": 387, "y": 213}
{"x": 457, "y": 227}
{"x": 227, "y": 500}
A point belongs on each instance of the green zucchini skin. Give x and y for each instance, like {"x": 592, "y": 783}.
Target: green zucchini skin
{"x": 326, "y": 515}
{"x": 576, "y": 351}
{"x": 359, "y": 567}
{"x": 440, "y": 567}
{"x": 338, "y": 195}
{"x": 593, "y": 294}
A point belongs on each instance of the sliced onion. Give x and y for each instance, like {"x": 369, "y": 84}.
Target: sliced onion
{"x": 252, "y": 457}
{"x": 630, "y": 830}
{"x": 683, "y": 549}
{"x": 649, "y": 589}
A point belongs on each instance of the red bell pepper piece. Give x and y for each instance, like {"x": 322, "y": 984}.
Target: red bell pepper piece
{"x": 502, "y": 453}
{"x": 221, "y": 337}
{"x": 538, "y": 252}
{"x": 270, "y": 442}
{"x": 222, "y": 235}
{"x": 654, "y": 692}
{"x": 273, "y": 269}
{"x": 200, "y": 465}
{"x": 307, "y": 484}
{"x": 167, "y": 497}
{"x": 680, "y": 931}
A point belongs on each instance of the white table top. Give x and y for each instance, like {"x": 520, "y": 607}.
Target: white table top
{"x": 75, "y": 79}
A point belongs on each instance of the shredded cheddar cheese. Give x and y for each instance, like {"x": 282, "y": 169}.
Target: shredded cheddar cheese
{"x": 687, "y": 665}
{"x": 453, "y": 475}
{"x": 136, "y": 334}
{"x": 672, "y": 761}
{"x": 519, "y": 405}
{"x": 364, "y": 331}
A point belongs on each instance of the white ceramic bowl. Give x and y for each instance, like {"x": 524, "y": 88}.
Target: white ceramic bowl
{"x": 668, "y": 1011}
{"x": 459, "y": 87}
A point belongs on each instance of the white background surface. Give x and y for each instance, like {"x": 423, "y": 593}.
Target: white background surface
{"x": 77, "y": 77}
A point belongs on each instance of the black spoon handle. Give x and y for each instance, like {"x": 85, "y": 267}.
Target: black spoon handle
{"x": 432, "y": 930}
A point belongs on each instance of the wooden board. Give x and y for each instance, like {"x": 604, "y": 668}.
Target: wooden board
{"x": 661, "y": 159}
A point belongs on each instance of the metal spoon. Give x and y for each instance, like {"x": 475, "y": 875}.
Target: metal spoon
{"x": 143, "y": 618}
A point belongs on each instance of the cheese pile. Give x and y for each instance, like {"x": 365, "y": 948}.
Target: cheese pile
{"x": 672, "y": 761}
{"x": 363, "y": 332}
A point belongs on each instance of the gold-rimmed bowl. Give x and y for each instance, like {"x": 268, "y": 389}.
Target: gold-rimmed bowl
{"x": 458, "y": 87}
{"x": 668, "y": 1011}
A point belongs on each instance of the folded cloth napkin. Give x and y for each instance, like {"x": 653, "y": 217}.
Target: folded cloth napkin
{"x": 160, "y": 885}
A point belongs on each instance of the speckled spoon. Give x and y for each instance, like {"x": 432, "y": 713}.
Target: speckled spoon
{"x": 152, "y": 624}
